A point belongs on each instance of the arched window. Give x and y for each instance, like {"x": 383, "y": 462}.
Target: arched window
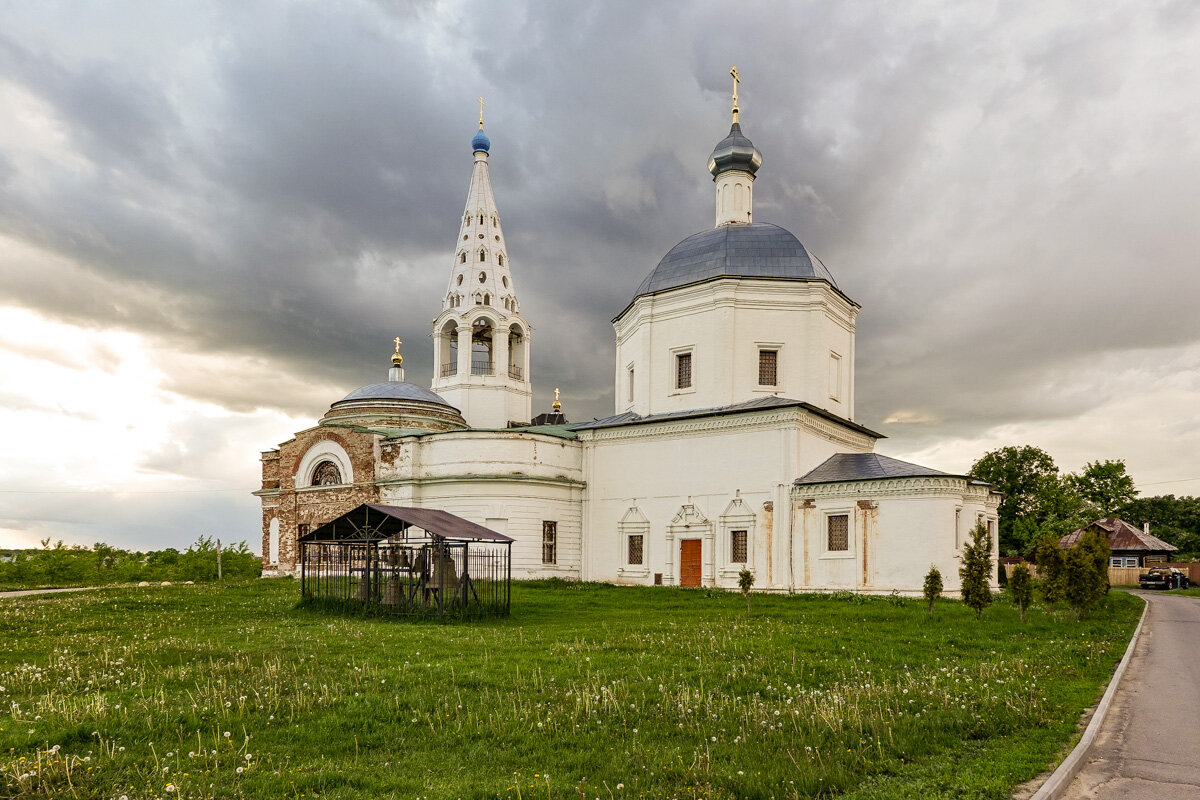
{"x": 481, "y": 219}
{"x": 483, "y": 255}
{"x": 487, "y": 299}
{"x": 462, "y": 258}
{"x": 494, "y": 220}
{"x": 466, "y": 218}
{"x": 500, "y": 259}
{"x": 326, "y": 474}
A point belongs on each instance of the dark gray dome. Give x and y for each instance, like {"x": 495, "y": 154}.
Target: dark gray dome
{"x": 735, "y": 151}
{"x": 758, "y": 250}
{"x": 394, "y": 390}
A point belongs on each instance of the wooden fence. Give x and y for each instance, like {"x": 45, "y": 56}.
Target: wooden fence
{"x": 1126, "y": 576}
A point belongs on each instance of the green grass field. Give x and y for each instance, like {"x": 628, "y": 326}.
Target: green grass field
{"x": 589, "y": 691}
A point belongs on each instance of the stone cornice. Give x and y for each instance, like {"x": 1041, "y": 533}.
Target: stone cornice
{"x": 746, "y": 420}
{"x": 572, "y": 483}
{"x": 928, "y": 486}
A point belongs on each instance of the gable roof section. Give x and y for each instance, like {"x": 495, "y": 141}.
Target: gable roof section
{"x": 1121, "y": 536}
{"x": 758, "y": 404}
{"x": 372, "y": 522}
{"x": 842, "y": 467}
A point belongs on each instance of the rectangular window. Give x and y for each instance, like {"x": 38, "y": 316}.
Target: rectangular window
{"x": 991, "y": 529}
{"x": 635, "y": 550}
{"x": 302, "y": 529}
{"x": 549, "y": 542}
{"x": 957, "y": 528}
{"x": 1116, "y": 561}
{"x": 630, "y": 378}
{"x": 737, "y": 546}
{"x": 683, "y": 370}
{"x": 839, "y": 532}
{"x": 768, "y": 365}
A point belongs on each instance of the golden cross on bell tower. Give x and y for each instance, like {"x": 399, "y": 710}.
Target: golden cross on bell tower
{"x": 397, "y": 359}
{"x": 736, "y": 81}
{"x": 481, "y": 105}
{"x": 557, "y": 405}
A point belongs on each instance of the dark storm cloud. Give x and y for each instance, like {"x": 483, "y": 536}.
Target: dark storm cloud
{"x": 283, "y": 182}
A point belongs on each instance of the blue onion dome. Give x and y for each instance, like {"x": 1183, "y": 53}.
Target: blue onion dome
{"x": 481, "y": 142}
{"x": 735, "y": 151}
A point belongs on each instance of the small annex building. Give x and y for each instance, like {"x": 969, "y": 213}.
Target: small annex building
{"x": 732, "y": 445}
{"x": 1131, "y": 546}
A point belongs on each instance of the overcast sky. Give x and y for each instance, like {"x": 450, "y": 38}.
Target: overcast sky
{"x": 215, "y": 217}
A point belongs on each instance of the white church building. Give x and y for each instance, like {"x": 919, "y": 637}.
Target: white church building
{"x": 732, "y": 445}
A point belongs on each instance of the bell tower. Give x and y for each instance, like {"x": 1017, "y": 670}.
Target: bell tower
{"x": 480, "y": 340}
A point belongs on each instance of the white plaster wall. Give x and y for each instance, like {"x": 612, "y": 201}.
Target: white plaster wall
{"x": 521, "y": 478}
{"x": 723, "y": 323}
{"x": 910, "y": 528}
{"x": 661, "y": 467}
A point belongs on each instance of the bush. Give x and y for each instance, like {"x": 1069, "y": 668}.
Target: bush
{"x": 1085, "y": 572}
{"x": 1021, "y": 588}
{"x": 933, "y": 587}
{"x": 976, "y": 569}
{"x": 745, "y": 581}
{"x": 1049, "y": 559}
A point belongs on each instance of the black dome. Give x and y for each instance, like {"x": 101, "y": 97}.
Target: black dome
{"x": 758, "y": 250}
{"x": 735, "y": 151}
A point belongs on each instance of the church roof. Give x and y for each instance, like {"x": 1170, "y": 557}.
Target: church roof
{"x": 394, "y": 390}
{"x": 864, "y": 467}
{"x": 1121, "y": 536}
{"x": 758, "y": 404}
{"x": 758, "y": 250}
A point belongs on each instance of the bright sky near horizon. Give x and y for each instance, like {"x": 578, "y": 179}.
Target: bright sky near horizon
{"x": 214, "y": 218}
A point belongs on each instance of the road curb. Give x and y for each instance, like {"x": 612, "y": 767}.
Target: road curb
{"x": 1061, "y": 778}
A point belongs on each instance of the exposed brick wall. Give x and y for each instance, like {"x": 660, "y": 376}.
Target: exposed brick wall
{"x": 313, "y": 506}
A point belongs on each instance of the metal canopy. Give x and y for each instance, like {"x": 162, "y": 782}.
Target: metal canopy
{"x": 372, "y": 523}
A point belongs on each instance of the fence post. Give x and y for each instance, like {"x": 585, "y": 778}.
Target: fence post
{"x": 218, "y": 559}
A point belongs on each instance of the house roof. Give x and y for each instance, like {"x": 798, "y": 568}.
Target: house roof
{"x": 371, "y": 522}
{"x": 758, "y": 404}
{"x": 1121, "y": 536}
{"x": 843, "y": 467}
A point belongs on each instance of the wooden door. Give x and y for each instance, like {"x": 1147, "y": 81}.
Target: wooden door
{"x": 689, "y": 562}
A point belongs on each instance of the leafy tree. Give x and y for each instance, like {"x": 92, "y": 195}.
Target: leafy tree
{"x": 1085, "y": 569}
{"x": 933, "y": 587}
{"x": 1049, "y": 559}
{"x": 1026, "y": 475}
{"x": 1105, "y": 485}
{"x": 1020, "y": 585}
{"x": 745, "y": 581}
{"x": 976, "y": 569}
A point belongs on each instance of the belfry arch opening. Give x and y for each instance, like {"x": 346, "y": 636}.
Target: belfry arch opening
{"x": 447, "y": 345}
{"x": 516, "y": 352}
{"x": 481, "y": 348}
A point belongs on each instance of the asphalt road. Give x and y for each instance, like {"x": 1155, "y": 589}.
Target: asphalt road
{"x": 1149, "y": 746}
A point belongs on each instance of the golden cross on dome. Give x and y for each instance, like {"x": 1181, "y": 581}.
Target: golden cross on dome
{"x": 736, "y": 81}
{"x": 396, "y": 357}
{"x": 481, "y": 105}
{"x": 557, "y": 405}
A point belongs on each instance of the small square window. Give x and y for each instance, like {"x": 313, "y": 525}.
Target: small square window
{"x": 737, "y": 546}
{"x": 549, "y": 542}
{"x": 683, "y": 371}
{"x": 768, "y": 367}
{"x": 839, "y": 532}
{"x": 636, "y": 551}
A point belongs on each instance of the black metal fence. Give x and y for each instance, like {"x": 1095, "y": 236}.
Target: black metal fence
{"x": 435, "y": 577}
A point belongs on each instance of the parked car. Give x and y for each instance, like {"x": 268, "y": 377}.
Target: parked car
{"x": 1164, "y": 578}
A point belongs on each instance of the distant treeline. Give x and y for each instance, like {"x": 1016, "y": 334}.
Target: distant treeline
{"x": 57, "y": 565}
